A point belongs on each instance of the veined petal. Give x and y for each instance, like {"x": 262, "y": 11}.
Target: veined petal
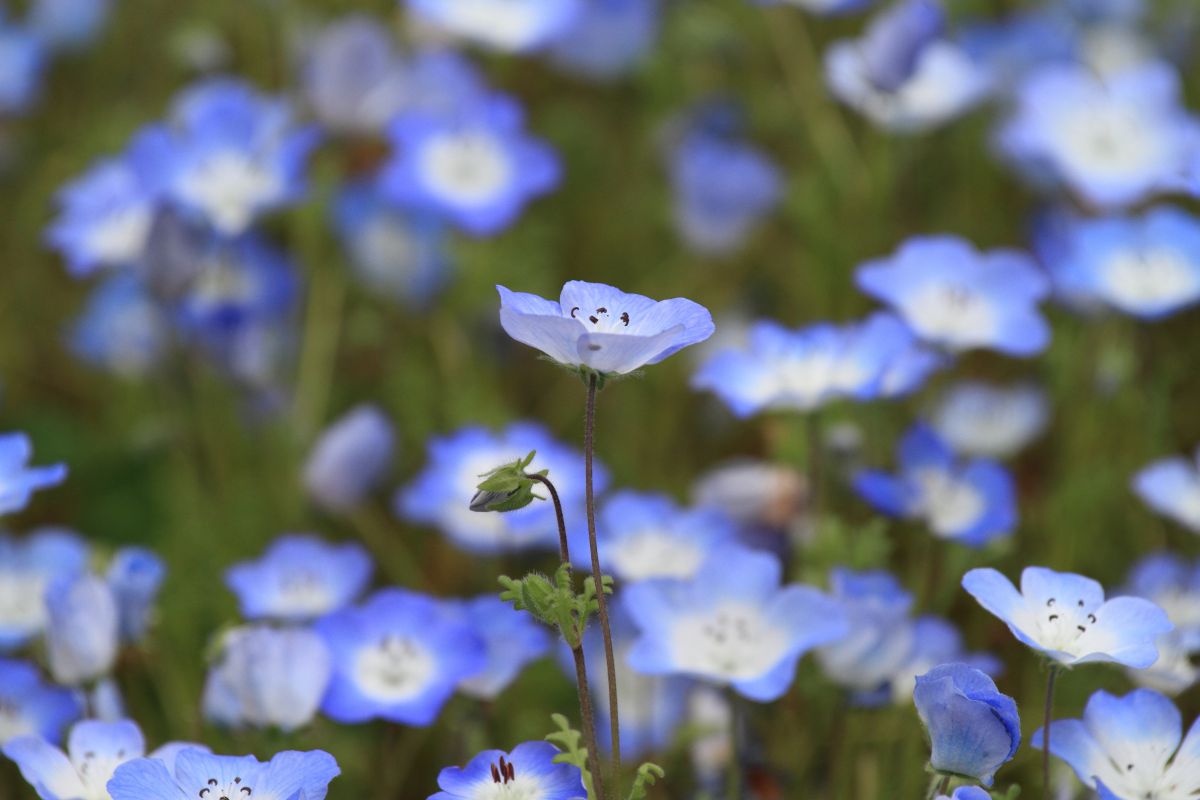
{"x": 1125, "y": 631}
{"x": 45, "y": 767}
{"x": 556, "y": 336}
{"x": 1142, "y": 728}
{"x": 621, "y": 353}
{"x": 1071, "y": 741}
{"x": 144, "y": 779}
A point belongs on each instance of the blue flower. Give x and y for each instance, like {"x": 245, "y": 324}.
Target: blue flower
{"x": 1026, "y": 39}
{"x": 439, "y": 496}
{"x": 823, "y": 7}
{"x": 903, "y": 74}
{"x": 236, "y": 284}
{"x": 981, "y": 419}
{"x": 477, "y": 166}
{"x": 973, "y": 728}
{"x": 972, "y": 502}
{"x": 350, "y": 458}
{"x": 607, "y": 37}
{"x": 353, "y": 76}
{"x": 30, "y": 706}
{"x": 22, "y": 61}
{"x": 1174, "y": 586}
{"x": 967, "y": 793}
{"x": 135, "y": 575}
{"x": 268, "y": 677}
{"x": 443, "y": 81}
{"x": 28, "y": 567}
{"x": 803, "y": 370}
{"x": 1113, "y": 140}
{"x": 880, "y": 637}
{"x": 510, "y": 26}
{"x": 68, "y": 24}
{"x": 399, "y": 657}
{"x": 83, "y": 629}
{"x": 1066, "y": 617}
{"x": 1130, "y": 745}
{"x": 528, "y": 772}
{"x": 18, "y": 481}
{"x": 731, "y": 624}
{"x": 936, "y": 642}
{"x": 764, "y": 498}
{"x": 598, "y": 327}
{"x": 722, "y": 188}
{"x": 951, "y": 294}
{"x": 401, "y": 253}
{"x": 1172, "y": 488}
{"x": 512, "y": 638}
{"x": 290, "y": 774}
{"x": 122, "y": 329}
{"x": 300, "y": 577}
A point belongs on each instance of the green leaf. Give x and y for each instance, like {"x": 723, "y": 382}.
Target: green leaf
{"x": 647, "y": 775}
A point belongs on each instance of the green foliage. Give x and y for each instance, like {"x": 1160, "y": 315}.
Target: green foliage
{"x": 568, "y": 740}
{"x": 507, "y": 487}
{"x": 647, "y": 775}
{"x": 555, "y": 602}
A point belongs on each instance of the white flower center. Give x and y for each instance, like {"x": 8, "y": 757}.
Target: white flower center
{"x": 22, "y": 603}
{"x": 1155, "y": 277}
{"x": 466, "y": 167}
{"x": 655, "y": 553}
{"x": 1107, "y": 139}
{"x": 394, "y": 669}
{"x": 13, "y": 722}
{"x": 505, "y": 783}
{"x": 949, "y": 504}
{"x": 732, "y": 641}
{"x": 121, "y": 236}
{"x": 230, "y": 187}
{"x": 604, "y": 319}
{"x": 236, "y": 789}
{"x": 952, "y": 313}
{"x": 95, "y": 770}
{"x": 508, "y": 24}
{"x": 386, "y": 250}
{"x": 801, "y": 382}
{"x": 221, "y": 284}
{"x": 305, "y": 593}
{"x": 1060, "y": 623}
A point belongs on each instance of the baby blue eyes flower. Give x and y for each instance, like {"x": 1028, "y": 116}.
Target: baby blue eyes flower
{"x": 731, "y": 624}
{"x": 879, "y": 638}
{"x": 1172, "y": 488}
{"x": 1132, "y": 746}
{"x": 823, "y": 7}
{"x": 510, "y": 26}
{"x": 350, "y": 458}
{"x": 30, "y": 706}
{"x": 600, "y": 328}
{"x": 972, "y": 502}
{"x": 134, "y": 576}
{"x": 1065, "y": 617}
{"x": 973, "y": 728}
{"x": 1174, "y": 585}
{"x": 803, "y": 370}
{"x": 353, "y": 76}
{"x": 300, "y": 577}
{"x": 83, "y": 629}
{"x": 68, "y": 24}
{"x": 399, "y": 656}
{"x": 955, "y": 296}
{"x": 512, "y": 639}
{"x": 967, "y": 793}
{"x": 477, "y": 166}
{"x": 196, "y": 774}
{"x": 28, "y": 567}
{"x": 18, "y": 480}
{"x": 527, "y": 773}
{"x": 607, "y": 37}
{"x": 981, "y": 419}
{"x": 122, "y": 329}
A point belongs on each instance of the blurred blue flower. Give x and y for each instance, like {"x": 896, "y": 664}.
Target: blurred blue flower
{"x": 953, "y": 295}
{"x": 30, "y": 706}
{"x": 268, "y": 678}
{"x": 353, "y": 76}
{"x": 607, "y": 37}
{"x": 967, "y": 793}
{"x": 22, "y": 60}
{"x": 83, "y": 629}
{"x": 135, "y": 575}
{"x": 972, "y": 502}
{"x": 94, "y": 750}
{"x": 803, "y": 370}
{"x": 731, "y": 624}
{"x": 529, "y": 772}
{"x": 1171, "y": 487}
{"x": 980, "y": 419}
{"x": 122, "y": 329}
{"x": 477, "y": 166}
{"x": 68, "y": 24}
{"x": 880, "y": 637}
{"x": 599, "y": 327}
{"x": 936, "y": 642}
{"x": 512, "y": 639}
{"x": 822, "y": 7}
{"x": 1130, "y": 745}
{"x": 289, "y": 774}
{"x": 902, "y": 73}
{"x": 722, "y": 188}
{"x": 1025, "y": 39}
{"x": 399, "y": 656}
{"x": 401, "y": 253}
{"x": 510, "y": 26}
{"x": 441, "y": 81}
{"x": 973, "y": 728}
{"x": 300, "y": 577}
{"x": 18, "y": 480}
{"x": 350, "y": 458}
{"x": 1113, "y": 140}
{"x": 28, "y": 567}
{"x": 1065, "y": 616}
{"x": 1174, "y": 586}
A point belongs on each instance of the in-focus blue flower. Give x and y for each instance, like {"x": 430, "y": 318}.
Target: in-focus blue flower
{"x": 28, "y": 567}
{"x": 68, "y": 24}
{"x": 512, "y": 638}
{"x": 401, "y": 253}
{"x": 83, "y": 629}
{"x": 135, "y": 575}
{"x": 18, "y": 480}
{"x": 509, "y": 26}
{"x": 477, "y": 166}
{"x": 1172, "y": 488}
{"x": 981, "y": 419}
{"x": 722, "y": 188}
{"x": 903, "y": 74}
{"x": 300, "y": 577}
{"x": 353, "y": 76}
{"x": 1066, "y": 617}
{"x": 1113, "y": 140}
{"x": 290, "y": 774}
{"x": 350, "y": 458}
{"x": 607, "y": 37}
{"x": 953, "y": 295}
{"x": 122, "y": 329}
{"x": 973, "y": 728}
{"x": 731, "y": 624}
{"x": 880, "y": 636}
{"x": 601, "y": 328}
{"x": 1130, "y": 745}
{"x": 972, "y": 502}
{"x": 22, "y": 60}
{"x": 440, "y": 495}
{"x": 399, "y": 656}
{"x": 1174, "y": 586}
{"x": 528, "y": 772}
{"x": 803, "y": 370}
{"x": 30, "y": 706}
{"x": 268, "y": 678}
{"x": 967, "y": 793}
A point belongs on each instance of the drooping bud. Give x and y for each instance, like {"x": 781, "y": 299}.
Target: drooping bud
{"x": 507, "y": 487}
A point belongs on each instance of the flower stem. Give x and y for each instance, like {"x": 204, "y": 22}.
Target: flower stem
{"x": 937, "y": 786}
{"x": 1050, "y": 676}
{"x": 737, "y": 746}
{"x": 589, "y": 435}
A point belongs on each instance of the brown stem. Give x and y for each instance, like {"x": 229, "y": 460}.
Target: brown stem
{"x": 1046, "y": 731}
{"x": 564, "y": 551}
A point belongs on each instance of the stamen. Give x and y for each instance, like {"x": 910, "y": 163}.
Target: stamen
{"x": 1053, "y": 617}
{"x": 495, "y": 774}
{"x": 625, "y": 318}
{"x": 1050, "y": 602}
{"x": 594, "y": 320}
{"x": 601, "y": 310}
{"x": 1092, "y": 618}
{"x": 573, "y": 310}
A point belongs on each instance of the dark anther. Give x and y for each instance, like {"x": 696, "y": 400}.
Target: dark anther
{"x": 1092, "y": 618}
{"x": 1081, "y": 629}
{"x": 204, "y": 792}
{"x": 1050, "y": 602}
{"x": 511, "y": 773}
{"x": 1053, "y": 617}
{"x": 593, "y": 347}
{"x": 573, "y": 310}
{"x": 212, "y": 781}
{"x": 495, "y": 774}
{"x": 625, "y": 318}
{"x": 90, "y": 754}
{"x": 1129, "y": 767}
{"x": 601, "y": 310}
{"x": 594, "y": 320}
{"x": 1081, "y": 603}
{"x": 237, "y": 780}
{"x": 246, "y": 790}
